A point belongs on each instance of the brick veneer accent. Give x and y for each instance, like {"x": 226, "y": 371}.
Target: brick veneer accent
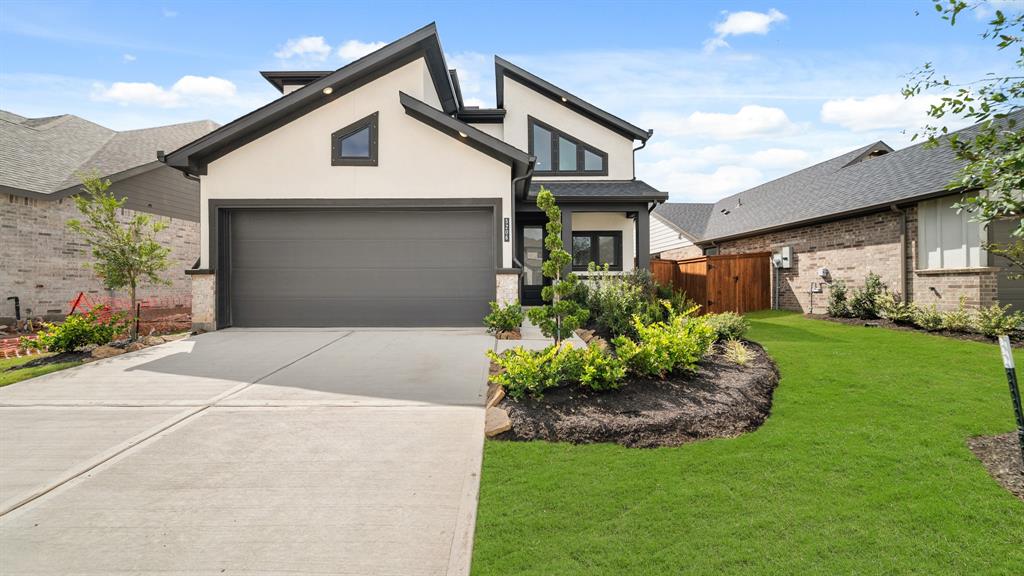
{"x": 42, "y": 261}
{"x": 852, "y": 247}
{"x": 204, "y": 302}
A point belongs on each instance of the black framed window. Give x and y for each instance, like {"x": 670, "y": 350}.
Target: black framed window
{"x": 560, "y": 154}
{"x": 598, "y": 247}
{"x": 356, "y": 144}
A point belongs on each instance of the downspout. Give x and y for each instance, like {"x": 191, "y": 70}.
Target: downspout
{"x": 903, "y": 251}
{"x": 641, "y": 147}
{"x": 512, "y": 216}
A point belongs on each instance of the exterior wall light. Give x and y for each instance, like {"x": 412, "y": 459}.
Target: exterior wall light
{"x": 564, "y": 99}
{"x": 462, "y": 134}
{"x": 328, "y": 90}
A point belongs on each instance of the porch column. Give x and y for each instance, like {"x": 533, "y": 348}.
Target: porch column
{"x": 567, "y": 235}
{"x": 643, "y": 239}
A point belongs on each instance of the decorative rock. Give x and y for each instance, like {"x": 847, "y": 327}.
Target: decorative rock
{"x": 152, "y": 340}
{"x": 134, "y": 347}
{"x": 495, "y": 394}
{"x": 106, "y": 352}
{"x": 585, "y": 334}
{"x": 508, "y": 335}
{"x": 496, "y": 421}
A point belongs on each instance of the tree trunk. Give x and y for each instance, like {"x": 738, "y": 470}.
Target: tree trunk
{"x": 133, "y": 333}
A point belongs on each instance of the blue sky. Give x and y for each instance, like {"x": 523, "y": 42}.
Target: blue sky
{"x": 737, "y": 92}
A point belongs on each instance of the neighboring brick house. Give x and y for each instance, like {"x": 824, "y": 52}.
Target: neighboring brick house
{"x": 675, "y": 229}
{"x": 870, "y": 210}
{"x": 42, "y": 262}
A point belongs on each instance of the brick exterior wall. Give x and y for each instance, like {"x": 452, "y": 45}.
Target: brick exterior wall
{"x": 852, "y": 247}
{"x": 42, "y": 261}
{"x": 204, "y": 302}
{"x": 683, "y": 253}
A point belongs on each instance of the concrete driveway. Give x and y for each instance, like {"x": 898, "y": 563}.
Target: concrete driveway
{"x": 249, "y": 451}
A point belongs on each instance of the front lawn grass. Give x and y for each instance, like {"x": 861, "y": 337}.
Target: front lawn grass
{"x": 8, "y": 376}
{"x": 862, "y": 468}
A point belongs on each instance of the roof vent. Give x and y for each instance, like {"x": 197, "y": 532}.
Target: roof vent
{"x": 877, "y": 152}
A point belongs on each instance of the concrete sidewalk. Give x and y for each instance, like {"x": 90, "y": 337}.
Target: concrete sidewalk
{"x": 348, "y": 452}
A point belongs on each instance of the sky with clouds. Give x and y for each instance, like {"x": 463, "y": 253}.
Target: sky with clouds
{"x": 737, "y": 93}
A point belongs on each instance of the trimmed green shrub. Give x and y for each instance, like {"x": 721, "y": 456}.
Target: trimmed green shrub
{"x": 614, "y": 299}
{"x": 928, "y": 318}
{"x": 864, "y": 301}
{"x": 997, "y": 320}
{"x": 728, "y": 325}
{"x": 893, "y": 309}
{"x": 77, "y": 331}
{"x": 534, "y": 371}
{"x": 504, "y": 318}
{"x": 959, "y": 320}
{"x": 838, "y": 306}
{"x": 663, "y": 347}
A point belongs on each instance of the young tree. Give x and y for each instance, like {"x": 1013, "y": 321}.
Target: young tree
{"x": 127, "y": 254}
{"x": 562, "y": 316}
{"x": 994, "y": 156}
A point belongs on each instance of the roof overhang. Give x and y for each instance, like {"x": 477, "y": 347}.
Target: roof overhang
{"x": 599, "y": 191}
{"x": 503, "y": 68}
{"x": 281, "y": 78}
{"x": 679, "y": 230}
{"x": 520, "y": 162}
{"x": 424, "y": 43}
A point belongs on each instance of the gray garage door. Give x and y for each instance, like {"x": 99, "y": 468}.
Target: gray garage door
{"x": 328, "y": 267}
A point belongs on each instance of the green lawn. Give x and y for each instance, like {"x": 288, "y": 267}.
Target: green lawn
{"x": 10, "y": 377}
{"x": 862, "y": 468}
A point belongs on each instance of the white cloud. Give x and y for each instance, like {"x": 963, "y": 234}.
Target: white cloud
{"x": 307, "y": 47}
{"x": 877, "y": 112}
{"x": 750, "y": 121}
{"x": 188, "y": 90}
{"x": 354, "y": 49}
{"x": 129, "y": 58}
{"x": 780, "y": 158}
{"x": 685, "y": 185}
{"x": 741, "y": 23}
{"x": 168, "y": 13}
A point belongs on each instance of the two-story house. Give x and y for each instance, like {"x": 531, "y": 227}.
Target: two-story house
{"x": 373, "y": 196}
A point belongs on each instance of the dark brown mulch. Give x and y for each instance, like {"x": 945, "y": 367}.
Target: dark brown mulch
{"x": 721, "y": 400}
{"x": 54, "y": 359}
{"x": 1001, "y": 457}
{"x": 1015, "y": 339}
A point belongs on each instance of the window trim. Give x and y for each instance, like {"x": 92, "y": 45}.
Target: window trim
{"x": 337, "y": 159}
{"x": 581, "y": 147}
{"x": 594, "y": 244}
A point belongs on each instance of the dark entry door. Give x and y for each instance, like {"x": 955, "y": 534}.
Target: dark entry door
{"x": 337, "y": 267}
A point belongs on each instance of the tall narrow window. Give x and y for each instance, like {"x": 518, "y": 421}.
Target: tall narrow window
{"x": 560, "y": 154}
{"x": 356, "y": 144}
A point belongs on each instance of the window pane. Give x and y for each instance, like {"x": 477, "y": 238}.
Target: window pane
{"x": 533, "y": 255}
{"x": 566, "y": 155}
{"x": 581, "y": 251}
{"x": 542, "y": 148}
{"x": 356, "y": 145}
{"x": 592, "y": 162}
{"x": 606, "y": 251}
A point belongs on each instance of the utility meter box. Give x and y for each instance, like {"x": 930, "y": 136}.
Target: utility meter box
{"x": 786, "y": 257}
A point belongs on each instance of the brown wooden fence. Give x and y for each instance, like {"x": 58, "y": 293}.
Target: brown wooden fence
{"x": 732, "y": 283}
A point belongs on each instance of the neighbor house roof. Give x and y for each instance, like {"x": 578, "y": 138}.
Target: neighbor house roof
{"x": 597, "y": 190}
{"x": 503, "y": 68}
{"x": 47, "y": 156}
{"x": 863, "y": 180}
{"x": 687, "y": 218}
{"x": 423, "y": 43}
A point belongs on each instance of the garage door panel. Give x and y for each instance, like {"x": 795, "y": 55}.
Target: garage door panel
{"x": 332, "y": 267}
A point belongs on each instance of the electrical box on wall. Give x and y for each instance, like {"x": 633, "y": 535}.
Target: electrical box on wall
{"x": 785, "y": 257}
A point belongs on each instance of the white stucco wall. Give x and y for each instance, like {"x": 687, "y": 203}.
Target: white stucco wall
{"x": 521, "y": 101}
{"x": 664, "y": 237}
{"x": 610, "y": 221}
{"x": 495, "y": 130}
{"x": 415, "y": 160}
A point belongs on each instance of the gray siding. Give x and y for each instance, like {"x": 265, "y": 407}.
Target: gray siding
{"x": 1009, "y": 291}
{"x": 163, "y": 191}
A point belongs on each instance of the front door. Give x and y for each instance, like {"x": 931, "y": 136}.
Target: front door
{"x": 531, "y": 254}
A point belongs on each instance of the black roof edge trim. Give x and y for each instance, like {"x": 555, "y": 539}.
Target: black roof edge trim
{"x": 520, "y": 161}
{"x": 503, "y": 67}
{"x": 482, "y": 115}
{"x": 281, "y": 78}
{"x": 193, "y": 157}
{"x": 454, "y": 74}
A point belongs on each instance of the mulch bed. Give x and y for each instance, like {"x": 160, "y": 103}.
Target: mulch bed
{"x": 1015, "y": 339}
{"x": 1001, "y": 457}
{"x": 721, "y": 400}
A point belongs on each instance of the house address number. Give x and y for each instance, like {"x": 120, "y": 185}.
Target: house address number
{"x": 506, "y": 226}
